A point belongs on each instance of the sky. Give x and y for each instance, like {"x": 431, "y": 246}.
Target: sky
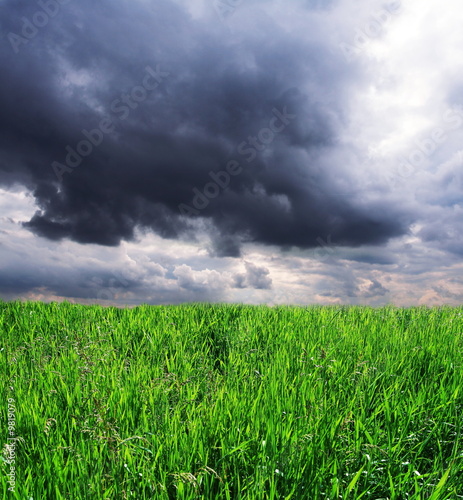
{"x": 252, "y": 151}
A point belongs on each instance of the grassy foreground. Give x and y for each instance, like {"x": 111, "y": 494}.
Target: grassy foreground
{"x": 231, "y": 402}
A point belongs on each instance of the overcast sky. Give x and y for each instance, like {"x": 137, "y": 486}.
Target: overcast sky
{"x": 256, "y": 151}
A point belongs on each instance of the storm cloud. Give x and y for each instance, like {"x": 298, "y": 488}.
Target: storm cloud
{"x": 129, "y": 115}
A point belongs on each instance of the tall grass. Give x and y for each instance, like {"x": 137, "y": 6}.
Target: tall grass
{"x": 233, "y": 402}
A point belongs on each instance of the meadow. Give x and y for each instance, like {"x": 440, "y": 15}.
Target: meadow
{"x": 207, "y": 401}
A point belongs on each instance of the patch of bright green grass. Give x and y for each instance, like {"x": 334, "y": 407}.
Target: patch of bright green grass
{"x": 232, "y": 402}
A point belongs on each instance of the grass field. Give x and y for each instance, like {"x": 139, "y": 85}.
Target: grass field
{"x": 231, "y": 402}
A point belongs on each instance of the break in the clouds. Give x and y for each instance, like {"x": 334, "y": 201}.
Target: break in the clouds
{"x": 239, "y": 133}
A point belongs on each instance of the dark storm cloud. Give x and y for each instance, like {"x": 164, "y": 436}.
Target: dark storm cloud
{"x": 219, "y": 99}
{"x": 19, "y": 280}
{"x": 444, "y": 233}
{"x": 442, "y": 190}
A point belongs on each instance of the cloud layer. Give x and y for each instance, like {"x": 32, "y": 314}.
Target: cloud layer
{"x": 132, "y": 116}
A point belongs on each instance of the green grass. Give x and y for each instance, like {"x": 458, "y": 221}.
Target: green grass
{"x": 233, "y": 402}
